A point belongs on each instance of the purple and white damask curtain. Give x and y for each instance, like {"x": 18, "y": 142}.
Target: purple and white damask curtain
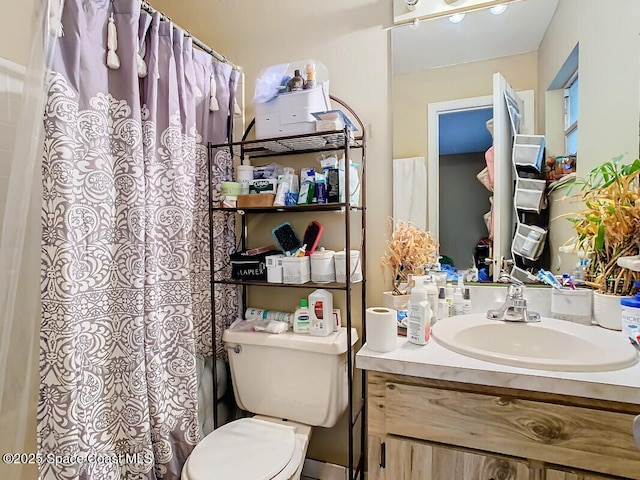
{"x": 125, "y": 252}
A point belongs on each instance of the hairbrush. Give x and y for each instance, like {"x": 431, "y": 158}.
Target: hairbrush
{"x": 286, "y": 238}
{"x": 312, "y": 236}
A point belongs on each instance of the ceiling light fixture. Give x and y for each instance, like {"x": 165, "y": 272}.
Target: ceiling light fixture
{"x": 498, "y": 9}
{"x": 456, "y": 17}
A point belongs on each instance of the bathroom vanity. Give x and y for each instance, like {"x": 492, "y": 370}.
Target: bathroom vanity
{"x": 434, "y": 414}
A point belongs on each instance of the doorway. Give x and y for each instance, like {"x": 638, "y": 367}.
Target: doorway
{"x": 464, "y": 200}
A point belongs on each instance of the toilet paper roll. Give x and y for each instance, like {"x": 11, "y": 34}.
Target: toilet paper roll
{"x": 382, "y": 329}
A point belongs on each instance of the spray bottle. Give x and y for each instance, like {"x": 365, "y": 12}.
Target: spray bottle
{"x": 419, "y": 325}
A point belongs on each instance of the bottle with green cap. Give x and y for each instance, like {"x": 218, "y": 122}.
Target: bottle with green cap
{"x": 301, "y": 319}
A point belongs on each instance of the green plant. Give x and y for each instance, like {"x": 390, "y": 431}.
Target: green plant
{"x": 409, "y": 251}
{"x": 609, "y": 226}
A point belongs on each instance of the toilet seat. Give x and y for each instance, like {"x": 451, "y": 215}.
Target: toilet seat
{"x": 248, "y": 448}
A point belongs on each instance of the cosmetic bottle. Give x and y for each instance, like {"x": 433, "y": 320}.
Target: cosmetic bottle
{"x": 419, "y": 324}
{"x": 458, "y": 301}
{"x": 301, "y": 318}
{"x": 443, "y": 305}
{"x": 466, "y": 301}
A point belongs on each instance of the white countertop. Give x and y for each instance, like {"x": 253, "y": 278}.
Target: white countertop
{"x": 434, "y": 361}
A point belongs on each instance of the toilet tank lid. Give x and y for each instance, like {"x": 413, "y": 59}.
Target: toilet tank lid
{"x": 333, "y": 344}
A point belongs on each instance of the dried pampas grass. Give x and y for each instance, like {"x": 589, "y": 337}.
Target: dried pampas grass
{"x": 409, "y": 251}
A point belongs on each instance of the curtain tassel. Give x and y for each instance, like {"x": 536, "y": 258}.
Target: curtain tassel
{"x": 213, "y": 101}
{"x": 113, "y": 62}
{"x": 142, "y": 65}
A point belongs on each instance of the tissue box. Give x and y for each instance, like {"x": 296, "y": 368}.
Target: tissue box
{"x": 291, "y": 113}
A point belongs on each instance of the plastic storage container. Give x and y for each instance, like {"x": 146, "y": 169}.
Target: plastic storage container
{"x": 321, "y": 313}
{"x": 296, "y": 270}
{"x": 322, "y": 266}
{"x": 341, "y": 266}
{"x": 291, "y": 113}
{"x": 631, "y": 314}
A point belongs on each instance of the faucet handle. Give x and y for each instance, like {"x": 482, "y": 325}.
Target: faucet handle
{"x": 515, "y": 290}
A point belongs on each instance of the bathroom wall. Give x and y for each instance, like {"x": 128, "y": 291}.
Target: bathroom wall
{"x": 413, "y": 92}
{"x": 17, "y": 30}
{"x": 351, "y": 40}
{"x": 607, "y": 33}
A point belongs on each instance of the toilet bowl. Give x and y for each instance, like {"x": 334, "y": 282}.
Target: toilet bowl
{"x": 259, "y": 448}
{"x": 300, "y": 378}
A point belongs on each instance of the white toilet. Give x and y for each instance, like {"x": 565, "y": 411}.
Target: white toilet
{"x": 291, "y": 382}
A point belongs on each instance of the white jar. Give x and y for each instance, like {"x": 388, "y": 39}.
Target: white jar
{"x": 631, "y": 316}
{"x": 322, "y": 266}
{"x": 340, "y": 259}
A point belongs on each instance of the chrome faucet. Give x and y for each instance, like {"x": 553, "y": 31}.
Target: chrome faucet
{"x": 515, "y": 306}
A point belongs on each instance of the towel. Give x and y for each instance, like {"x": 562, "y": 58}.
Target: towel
{"x": 410, "y": 191}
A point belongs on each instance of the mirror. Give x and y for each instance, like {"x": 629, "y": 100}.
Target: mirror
{"x": 533, "y": 44}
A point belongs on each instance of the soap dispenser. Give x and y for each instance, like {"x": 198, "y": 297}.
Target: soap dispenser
{"x": 419, "y": 324}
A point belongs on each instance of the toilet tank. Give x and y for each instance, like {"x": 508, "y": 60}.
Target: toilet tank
{"x": 297, "y": 377}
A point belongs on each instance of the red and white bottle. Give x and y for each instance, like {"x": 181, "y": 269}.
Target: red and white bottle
{"x": 321, "y": 313}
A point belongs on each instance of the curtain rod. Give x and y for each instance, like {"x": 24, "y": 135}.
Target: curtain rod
{"x": 218, "y": 56}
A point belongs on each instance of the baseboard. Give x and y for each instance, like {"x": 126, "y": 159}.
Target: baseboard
{"x": 323, "y": 471}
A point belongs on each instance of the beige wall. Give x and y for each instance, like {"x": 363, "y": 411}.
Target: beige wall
{"x": 608, "y": 35}
{"x": 17, "y": 30}
{"x": 349, "y": 38}
{"x": 413, "y": 92}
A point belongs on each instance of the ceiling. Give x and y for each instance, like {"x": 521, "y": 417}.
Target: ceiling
{"x": 480, "y": 36}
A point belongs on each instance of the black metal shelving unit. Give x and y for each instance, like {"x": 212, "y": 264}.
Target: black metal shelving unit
{"x": 345, "y": 140}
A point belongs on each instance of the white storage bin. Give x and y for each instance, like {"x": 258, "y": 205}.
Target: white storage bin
{"x": 530, "y": 194}
{"x": 296, "y": 270}
{"x": 291, "y": 113}
{"x": 529, "y": 241}
{"x": 572, "y": 305}
{"x": 528, "y": 150}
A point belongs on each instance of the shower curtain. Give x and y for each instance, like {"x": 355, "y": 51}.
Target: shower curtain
{"x": 125, "y": 253}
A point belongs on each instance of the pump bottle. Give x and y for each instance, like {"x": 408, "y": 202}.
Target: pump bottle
{"x": 419, "y": 325}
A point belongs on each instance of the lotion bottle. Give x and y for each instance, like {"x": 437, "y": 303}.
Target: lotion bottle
{"x": 301, "y": 318}
{"x": 419, "y": 325}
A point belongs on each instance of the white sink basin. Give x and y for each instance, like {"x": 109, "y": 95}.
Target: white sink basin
{"x": 548, "y": 345}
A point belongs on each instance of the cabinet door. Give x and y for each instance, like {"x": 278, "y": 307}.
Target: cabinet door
{"x": 558, "y": 475}
{"x": 413, "y": 460}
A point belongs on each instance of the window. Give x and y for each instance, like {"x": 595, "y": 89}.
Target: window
{"x": 571, "y": 115}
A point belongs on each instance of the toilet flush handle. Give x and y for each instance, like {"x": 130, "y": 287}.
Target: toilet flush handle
{"x": 237, "y": 348}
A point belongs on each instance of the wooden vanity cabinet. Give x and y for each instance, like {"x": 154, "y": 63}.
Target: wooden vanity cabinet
{"x": 421, "y": 429}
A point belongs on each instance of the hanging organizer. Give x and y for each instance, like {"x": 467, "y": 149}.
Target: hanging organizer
{"x": 529, "y": 202}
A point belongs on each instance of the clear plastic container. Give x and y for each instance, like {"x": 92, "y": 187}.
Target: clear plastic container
{"x": 631, "y": 315}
